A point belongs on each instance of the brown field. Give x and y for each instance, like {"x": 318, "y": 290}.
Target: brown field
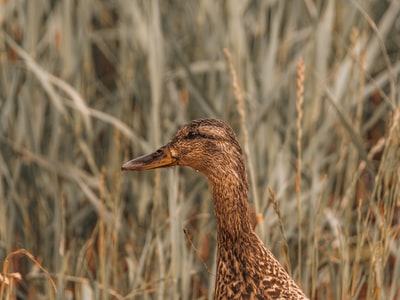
{"x": 88, "y": 85}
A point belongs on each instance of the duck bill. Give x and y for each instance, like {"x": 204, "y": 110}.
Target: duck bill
{"x": 161, "y": 158}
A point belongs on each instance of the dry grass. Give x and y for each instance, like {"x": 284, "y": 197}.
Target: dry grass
{"x": 87, "y": 85}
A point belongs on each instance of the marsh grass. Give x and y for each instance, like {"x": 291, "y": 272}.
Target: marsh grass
{"x": 87, "y": 85}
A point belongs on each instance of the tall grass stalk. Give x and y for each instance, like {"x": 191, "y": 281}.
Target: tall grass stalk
{"x": 299, "y": 110}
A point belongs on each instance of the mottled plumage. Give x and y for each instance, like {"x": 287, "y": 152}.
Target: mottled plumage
{"x": 246, "y": 269}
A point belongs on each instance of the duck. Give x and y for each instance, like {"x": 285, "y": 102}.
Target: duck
{"x": 245, "y": 268}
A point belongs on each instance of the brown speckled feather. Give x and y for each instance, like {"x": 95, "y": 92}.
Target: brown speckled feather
{"x": 246, "y": 269}
{"x": 250, "y": 271}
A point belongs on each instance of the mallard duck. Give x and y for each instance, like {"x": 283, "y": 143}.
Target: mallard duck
{"x": 246, "y": 269}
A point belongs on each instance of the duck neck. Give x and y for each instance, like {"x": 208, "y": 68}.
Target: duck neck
{"x": 230, "y": 193}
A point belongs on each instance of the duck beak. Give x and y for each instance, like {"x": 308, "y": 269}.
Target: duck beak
{"x": 161, "y": 158}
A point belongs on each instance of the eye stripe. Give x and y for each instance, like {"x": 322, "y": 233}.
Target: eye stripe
{"x": 195, "y": 134}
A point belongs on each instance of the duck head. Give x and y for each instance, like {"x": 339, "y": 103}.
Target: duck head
{"x": 206, "y": 145}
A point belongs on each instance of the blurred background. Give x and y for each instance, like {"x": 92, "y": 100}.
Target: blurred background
{"x": 88, "y": 85}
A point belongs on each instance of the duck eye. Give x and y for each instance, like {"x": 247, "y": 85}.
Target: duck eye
{"x": 192, "y": 134}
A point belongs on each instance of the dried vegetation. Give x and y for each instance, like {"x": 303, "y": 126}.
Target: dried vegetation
{"x": 87, "y": 85}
